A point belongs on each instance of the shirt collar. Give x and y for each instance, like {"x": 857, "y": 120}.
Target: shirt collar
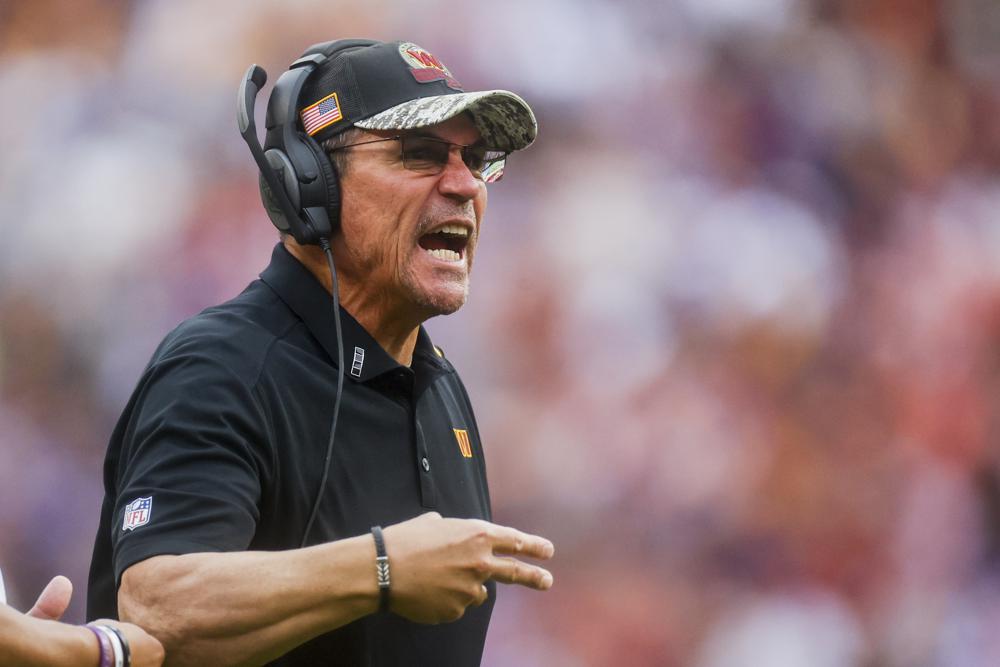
{"x": 364, "y": 358}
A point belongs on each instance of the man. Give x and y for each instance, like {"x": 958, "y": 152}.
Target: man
{"x": 221, "y": 457}
{"x": 36, "y": 639}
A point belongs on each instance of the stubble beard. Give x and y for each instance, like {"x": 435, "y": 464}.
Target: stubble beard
{"x": 432, "y": 302}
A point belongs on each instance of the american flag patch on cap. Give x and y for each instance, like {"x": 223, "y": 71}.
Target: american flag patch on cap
{"x": 322, "y": 114}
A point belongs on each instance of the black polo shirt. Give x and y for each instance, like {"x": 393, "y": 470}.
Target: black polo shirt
{"x": 226, "y": 434}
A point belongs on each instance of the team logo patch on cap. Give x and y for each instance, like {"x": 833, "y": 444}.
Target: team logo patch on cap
{"x": 323, "y": 113}
{"x": 425, "y": 67}
{"x": 463, "y": 442}
{"x": 137, "y": 513}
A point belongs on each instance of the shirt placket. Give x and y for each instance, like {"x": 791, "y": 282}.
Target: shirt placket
{"x": 425, "y": 467}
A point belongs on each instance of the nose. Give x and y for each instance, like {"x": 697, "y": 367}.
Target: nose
{"x": 457, "y": 181}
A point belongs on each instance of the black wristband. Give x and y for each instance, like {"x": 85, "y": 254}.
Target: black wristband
{"x": 381, "y": 569}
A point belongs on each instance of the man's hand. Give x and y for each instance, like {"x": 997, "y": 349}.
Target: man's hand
{"x": 438, "y": 566}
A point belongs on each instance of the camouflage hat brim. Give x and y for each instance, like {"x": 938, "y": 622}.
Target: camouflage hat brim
{"x": 504, "y": 120}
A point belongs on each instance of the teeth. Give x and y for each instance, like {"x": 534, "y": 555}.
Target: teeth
{"x": 445, "y": 254}
{"x": 454, "y": 229}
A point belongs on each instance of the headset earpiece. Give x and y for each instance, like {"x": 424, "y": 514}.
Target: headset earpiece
{"x": 330, "y": 177}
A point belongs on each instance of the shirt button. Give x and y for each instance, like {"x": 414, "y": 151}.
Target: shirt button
{"x": 426, "y": 464}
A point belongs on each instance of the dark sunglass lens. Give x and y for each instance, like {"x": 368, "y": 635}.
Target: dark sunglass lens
{"x": 422, "y": 154}
{"x": 474, "y": 158}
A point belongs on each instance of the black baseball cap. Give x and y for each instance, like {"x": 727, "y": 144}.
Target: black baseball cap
{"x": 402, "y": 86}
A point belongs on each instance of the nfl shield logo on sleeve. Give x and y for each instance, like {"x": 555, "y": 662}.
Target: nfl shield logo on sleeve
{"x": 137, "y": 513}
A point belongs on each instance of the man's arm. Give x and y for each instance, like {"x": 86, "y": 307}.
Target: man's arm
{"x": 247, "y": 608}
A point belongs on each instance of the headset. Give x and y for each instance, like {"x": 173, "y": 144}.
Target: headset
{"x": 299, "y": 185}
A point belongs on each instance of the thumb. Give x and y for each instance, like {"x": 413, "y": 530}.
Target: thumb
{"x": 54, "y": 599}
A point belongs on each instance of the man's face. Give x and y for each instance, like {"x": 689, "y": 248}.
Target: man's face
{"x": 409, "y": 237}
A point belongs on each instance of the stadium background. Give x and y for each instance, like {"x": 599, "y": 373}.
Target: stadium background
{"x": 735, "y": 321}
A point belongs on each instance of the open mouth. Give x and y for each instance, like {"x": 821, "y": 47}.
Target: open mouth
{"x": 447, "y": 243}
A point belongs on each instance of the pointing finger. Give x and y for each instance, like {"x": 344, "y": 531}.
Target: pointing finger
{"x": 512, "y": 542}
{"x": 513, "y": 571}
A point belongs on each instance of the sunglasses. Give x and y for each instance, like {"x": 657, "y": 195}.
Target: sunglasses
{"x": 429, "y": 155}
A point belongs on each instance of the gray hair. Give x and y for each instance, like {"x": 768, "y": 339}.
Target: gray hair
{"x": 338, "y": 157}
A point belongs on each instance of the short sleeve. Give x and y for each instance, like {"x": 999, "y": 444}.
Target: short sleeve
{"x": 194, "y": 459}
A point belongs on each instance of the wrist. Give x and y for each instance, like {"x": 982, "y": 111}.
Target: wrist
{"x": 73, "y": 645}
{"x": 348, "y": 587}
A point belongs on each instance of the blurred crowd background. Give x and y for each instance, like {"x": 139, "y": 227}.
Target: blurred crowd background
{"x": 734, "y": 334}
